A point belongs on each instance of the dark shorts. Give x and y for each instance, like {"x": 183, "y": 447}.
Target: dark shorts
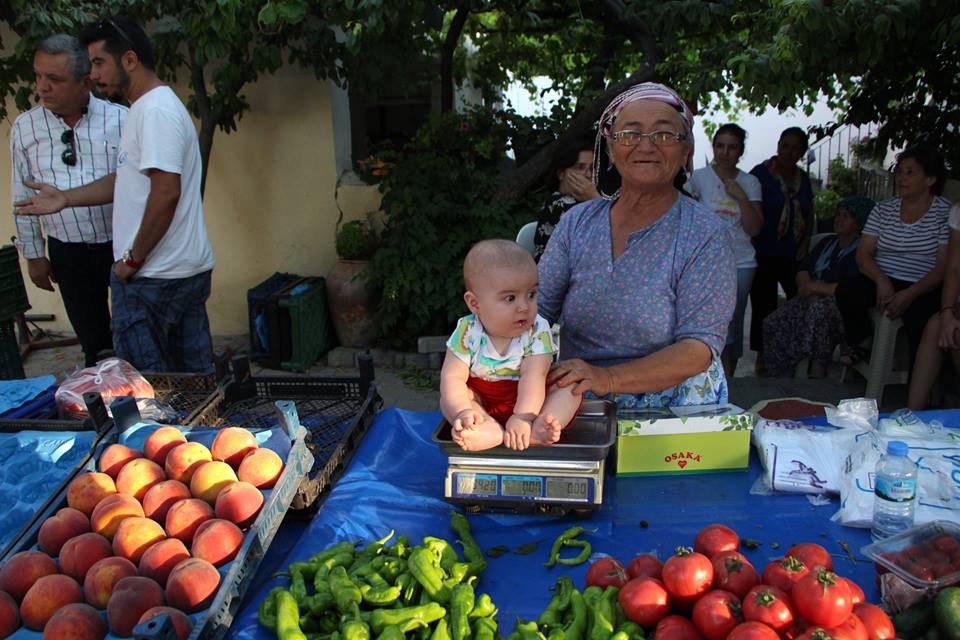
{"x": 161, "y": 324}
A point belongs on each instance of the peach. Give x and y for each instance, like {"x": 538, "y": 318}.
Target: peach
{"x": 137, "y": 476}
{"x": 111, "y": 511}
{"x": 184, "y": 459}
{"x": 161, "y": 496}
{"x": 9, "y": 614}
{"x": 48, "y": 594}
{"x": 239, "y": 503}
{"x": 103, "y": 576}
{"x": 209, "y": 479}
{"x": 88, "y": 489}
{"x": 159, "y": 443}
{"x": 131, "y": 598}
{"x": 181, "y": 623}
{"x": 231, "y": 444}
{"x": 81, "y": 552}
{"x": 217, "y": 542}
{"x": 192, "y": 585}
{"x": 159, "y": 560}
{"x": 60, "y": 527}
{"x": 185, "y": 516}
{"x": 19, "y": 572}
{"x": 75, "y": 621}
{"x": 114, "y": 457}
{"x": 136, "y": 535}
{"x": 261, "y": 468}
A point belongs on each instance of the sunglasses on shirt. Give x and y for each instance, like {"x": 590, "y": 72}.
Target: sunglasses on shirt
{"x": 69, "y": 155}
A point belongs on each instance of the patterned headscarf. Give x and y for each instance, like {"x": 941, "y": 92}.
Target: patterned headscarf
{"x": 644, "y": 91}
{"x": 859, "y": 207}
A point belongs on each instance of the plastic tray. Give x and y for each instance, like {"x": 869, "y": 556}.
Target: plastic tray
{"x": 336, "y": 412}
{"x": 593, "y": 432}
{"x": 924, "y": 556}
{"x": 288, "y": 438}
{"x": 256, "y": 304}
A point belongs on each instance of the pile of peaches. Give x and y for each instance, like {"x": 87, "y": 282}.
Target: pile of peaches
{"x": 141, "y": 536}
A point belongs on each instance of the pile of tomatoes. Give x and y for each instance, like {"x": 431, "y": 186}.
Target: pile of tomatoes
{"x": 713, "y": 592}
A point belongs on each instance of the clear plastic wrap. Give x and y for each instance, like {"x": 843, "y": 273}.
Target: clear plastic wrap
{"x": 111, "y": 378}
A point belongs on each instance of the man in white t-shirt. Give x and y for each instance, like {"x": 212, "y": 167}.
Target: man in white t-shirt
{"x": 161, "y": 277}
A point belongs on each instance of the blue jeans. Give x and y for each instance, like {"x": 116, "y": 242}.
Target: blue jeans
{"x": 735, "y": 329}
{"x": 161, "y": 325}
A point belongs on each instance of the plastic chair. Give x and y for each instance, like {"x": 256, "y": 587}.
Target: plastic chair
{"x": 880, "y": 370}
{"x": 525, "y": 236}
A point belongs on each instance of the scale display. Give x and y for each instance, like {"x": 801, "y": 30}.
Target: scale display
{"x": 522, "y": 487}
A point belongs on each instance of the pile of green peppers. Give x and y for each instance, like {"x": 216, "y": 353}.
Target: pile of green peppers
{"x": 386, "y": 590}
{"x": 594, "y": 614}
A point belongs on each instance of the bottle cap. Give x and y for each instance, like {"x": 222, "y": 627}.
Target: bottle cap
{"x": 897, "y": 448}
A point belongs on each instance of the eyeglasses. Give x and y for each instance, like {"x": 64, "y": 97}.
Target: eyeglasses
{"x": 102, "y": 25}
{"x": 69, "y": 155}
{"x": 630, "y": 138}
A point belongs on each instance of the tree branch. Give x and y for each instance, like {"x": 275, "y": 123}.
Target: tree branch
{"x": 208, "y": 119}
{"x": 446, "y": 55}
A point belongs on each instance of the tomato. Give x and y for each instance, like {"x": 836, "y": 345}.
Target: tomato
{"x": 687, "y": 575}
{"x": 856, "y": 593}
{"x": 752, "y": 631}
{"x": 878, "y": 623}
{"x": 606, "y": 572}
{"x": 645, "y": 564}
{"x": 676, "y": 628}
{"x": 822, "y": 598}
{"x": 768, "y": 605}
{"x": 784, "y": 573}
{"x": 811, "y": 554}
{"x": 733, "y": 572}
{"x": 850, "y": 629}
{"x": 946, "y": 543}
{"x": 715, "y": 538}
{"x": 644, "y": 601}
{"x": 814, "y": 633}
{"x": 716, "y": 614}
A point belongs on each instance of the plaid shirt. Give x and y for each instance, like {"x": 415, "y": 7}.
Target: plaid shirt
{"x": 36, "y": 149}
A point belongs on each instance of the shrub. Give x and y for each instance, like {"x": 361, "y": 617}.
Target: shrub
{"x": 356, "y": 240}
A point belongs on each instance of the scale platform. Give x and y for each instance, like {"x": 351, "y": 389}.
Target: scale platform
{"x": 560, "y": 478}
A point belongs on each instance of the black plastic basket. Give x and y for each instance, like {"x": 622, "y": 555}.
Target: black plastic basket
{"x": 13, "y": 293}
{"x": 11, "y": 364}
{"x": 336, "y": 412}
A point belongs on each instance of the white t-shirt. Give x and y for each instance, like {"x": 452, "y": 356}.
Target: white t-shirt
{"x": 159, "y": 134}
{"x": 705, "y": 185}
{"x": 954, "y": 219}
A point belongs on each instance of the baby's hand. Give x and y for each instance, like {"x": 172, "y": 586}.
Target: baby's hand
{"x": 466, "y": 420}
{"x": 516, "y": 433}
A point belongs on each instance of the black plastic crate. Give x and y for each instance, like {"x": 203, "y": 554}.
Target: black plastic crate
{"x": 257, "y": 299}
{"x": 11, "y": 364}
{"x": 337, "y": 412}
{"x": 13, "y": 293}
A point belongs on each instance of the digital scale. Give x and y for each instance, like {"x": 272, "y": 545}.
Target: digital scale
{"x": 559, "y": 478}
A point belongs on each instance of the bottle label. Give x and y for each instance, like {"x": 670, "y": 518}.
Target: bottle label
{"x": 896, "y": 489}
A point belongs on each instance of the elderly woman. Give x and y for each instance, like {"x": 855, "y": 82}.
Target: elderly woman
{"x": 808, "y": 326}
{"x": 642, "y": 280}
{"x": 570, "y": 183}
{"x": 902, "y": 254}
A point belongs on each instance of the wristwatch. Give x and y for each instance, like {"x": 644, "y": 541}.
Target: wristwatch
{"x": 127, "y": 259}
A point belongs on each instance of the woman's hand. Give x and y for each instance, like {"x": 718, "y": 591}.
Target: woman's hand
{"x": 734, "y": 190}
{"x": 949, "y": 326}
{"x": 898, "y": 303}
{"x": 585, "y": 376}
{"x": 885, "y": 292}
{"x": 580, "y": 187}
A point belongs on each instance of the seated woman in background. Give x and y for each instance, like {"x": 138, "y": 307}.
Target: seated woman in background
{"x": 901, "y": 255}
{"x": 942, "y": 334}
{"x": 570, "y": 183}
{"x": 735, "y": 197}
{"x": 809, "y": 324}
{"x": 641, "y": 280}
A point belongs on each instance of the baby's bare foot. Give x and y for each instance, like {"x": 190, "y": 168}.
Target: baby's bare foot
{"x": 479, "y": 439}
{"x": 546, "y": 430}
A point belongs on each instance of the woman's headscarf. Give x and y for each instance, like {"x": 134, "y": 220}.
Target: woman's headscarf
{"x": 644, "y": 91}
{"x": 859, "y": 207}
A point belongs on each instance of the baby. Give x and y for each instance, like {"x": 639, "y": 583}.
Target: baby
{"x": 494, "y": 377}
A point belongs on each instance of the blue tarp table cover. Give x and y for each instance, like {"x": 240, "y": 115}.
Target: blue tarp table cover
{"x": 395, "y": 481}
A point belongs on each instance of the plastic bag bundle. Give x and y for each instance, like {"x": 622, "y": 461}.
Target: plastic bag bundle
{"x": 111, "y": 378}
{"x": 800, "y": 458}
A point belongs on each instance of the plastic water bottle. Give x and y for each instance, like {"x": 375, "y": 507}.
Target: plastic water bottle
{"x": 895, "y": 492}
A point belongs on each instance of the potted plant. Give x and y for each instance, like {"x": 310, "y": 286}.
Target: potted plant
{"x": 351, "y": 299}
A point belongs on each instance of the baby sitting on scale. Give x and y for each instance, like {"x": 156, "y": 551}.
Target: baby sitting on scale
{"x": 493, "y": 385}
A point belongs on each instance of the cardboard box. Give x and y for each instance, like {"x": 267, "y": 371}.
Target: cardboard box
{"x": 679, "y": 440}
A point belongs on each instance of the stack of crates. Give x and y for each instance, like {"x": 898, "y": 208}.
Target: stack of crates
{"x": 289, "y": 323}
{"x": 13, "y": 302}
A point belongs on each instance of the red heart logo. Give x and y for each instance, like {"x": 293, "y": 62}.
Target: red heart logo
{"x": 681, "y": 463}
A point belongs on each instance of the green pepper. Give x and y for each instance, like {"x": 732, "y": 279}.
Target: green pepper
{"x": 556, "y": 633}
{"x": 461, "y": 604}
{"x": 298, "y": 587}
{"x": 529, "y": 631}
{"x": 362, "y": 569}
{"x": 484, "y": 629}
{"x": 560, "y": 602}
{"x": 562, "y": 540}
{"x": 407, "y": 618}
{"x": 471, "y": 550}
{"x": 425, "y": 567}
{"x": 444, "y": 550}
{"x": 604, "y": 612}
{"x": 391, "y": 632}
{"x": 483, "y": 607}
{"x": 581, "y": 557}
{"x": 288, "y": 617}
{"x": 577, "y": 625}
{"x": 628, "y": 630}
{"x": 329, "y": 552}
{"x": 441, "y": 631}
{"x": 355, "y": 629}
{"x": 457, "y": 573}
{"x": 306, "y": 569}
{"x": 346, "y": 594}
{"x": 400, "y": 547}
{"x": 392, "y": 568}
{"x": 409, "y": 586}
{"x": 317, "y": 603}
{"x": 267, "y": 611}
{"x": 380, "y": 596}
